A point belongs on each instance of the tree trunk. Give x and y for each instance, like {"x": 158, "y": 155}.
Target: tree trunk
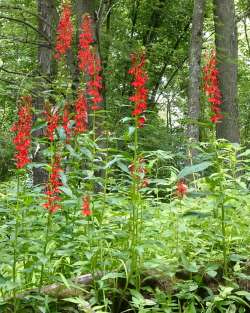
{"x": 227, "y": 55}
{"x": 195, "y": 70}
{"x": 47, "y": 12}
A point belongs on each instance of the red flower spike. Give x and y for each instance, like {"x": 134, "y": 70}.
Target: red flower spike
{"x": 86, "y": 206}
{"x": 64, "y": 32}
{"x": 141, "y": 121}
{"x": 81, "y": 117}
{"x": 141, "y": 93}
{"x": 22, "y": 127}
{"x": 90, "y": 63}
{"x": 94, "y": 86}
{"x": 216, "y": 118}
{"x": 139, "y": 171}
{"x": 52, "y": 119}
{"x": 144, "y": 183}
{"x": 86, "y": 38}
{"x": 96, "y": 107}
{"x": 53, "y": 185}
{"x": 211, "y": 88}
{"x": 66, "y": 124}
{"x": 181, "y": 189}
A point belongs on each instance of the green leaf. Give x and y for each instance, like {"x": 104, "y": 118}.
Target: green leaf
{"x": 113, "y": 275}
{"x": 194, "y": 169}
{"x": 87, "y": 153}
{"x": 212, "y": 273}
{"x": 110, "y": 163}
{"x": 189, "y": 266}
{"x": 244, "y": 293}
{"x": 79, "y": 301}
{"x": 61, "y": 132}
{"x": 190, "y": 308}
{"x": 67, "y": 191}
{"x": 37, "y": 165}
{"x": 64, "y": 280}
{"x": 131, "y": 130}
{"x": 39, "y": 125}
{"x": 123, "y": 167}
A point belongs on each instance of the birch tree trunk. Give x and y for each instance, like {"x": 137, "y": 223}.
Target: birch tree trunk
{"x": 227, "y": 55}
{"x": 195, "y": 70}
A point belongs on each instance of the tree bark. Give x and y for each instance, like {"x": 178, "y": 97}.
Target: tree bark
{"x": 227, "y": 56}
{"x": 47, "y": 12}
{"x": 195, "y": 70}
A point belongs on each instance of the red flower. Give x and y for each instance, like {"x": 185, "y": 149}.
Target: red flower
{"x": 64, "y": 32}
{"x": 52, "y": 119}
{"x": 216, "y": 118}
{"x": 86, "y": 38}
{"x": 81, "y": 117}
{"x": 138, "y": 171}
{"x": 141, "y": 93}
{"x": 181, "y": 189}
{"x": 94, "y": 86}
{"x": 23, "y": 126}
{"x": 66, "y": 124}
{"x": 211, "y": 87}
{"x": 54, "y": 183}
{"x": 86, "y": 206}
{"x": 89, "y": 63}
{"x": 96, "y": 107}
{"x": 144, "y": 183}
{"x": 141, "y": 121}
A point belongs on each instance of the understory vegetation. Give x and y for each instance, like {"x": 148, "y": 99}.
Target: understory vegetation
{"x": 190, "y": 253}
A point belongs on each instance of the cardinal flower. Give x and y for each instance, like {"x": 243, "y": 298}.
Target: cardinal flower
{"x": 52, "y": 119}
{"x": 141, "y": 92}
{"x": 66, "y": 123}
{"x": 81, "y": 117}
{"x": 139, "y": 171}
{"x": 53, "y": 185}
{"x": 211, "y": 87}
{"x": 64, "y": 32}
{"x": 86, "y": 38}
{"x": 181, "y": 189}
{"x": 22, "y": 127}
{"x": 86, "y": 206}
{"x": 90, "y": 64}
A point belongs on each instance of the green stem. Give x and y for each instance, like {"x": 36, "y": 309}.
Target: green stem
{"x": 223, "y": 213}
{"x": 14, "y": 272}
{"x": 45, "y": 248}
{"x": 94, "y": 131}
{"x": 177, "y": 233}
{"x": 157, "y": 189}
{"x": 135, "y": 211}
{"x": 224, "y": 235}
{"x": 105, "y": 179}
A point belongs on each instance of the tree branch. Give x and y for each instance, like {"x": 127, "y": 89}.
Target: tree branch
{"x": 25, "y": 23}
{"x": 9, "y": 7}
{"x": 166, "y": 61}
{"x": 25, "y": 41}
{"x": 15, "y": 73}
{"x": 173, "y": 75}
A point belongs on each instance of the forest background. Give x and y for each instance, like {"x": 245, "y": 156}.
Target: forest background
{"x": 161, "y": 191}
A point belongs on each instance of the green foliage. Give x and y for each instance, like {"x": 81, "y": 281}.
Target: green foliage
{"x": 180, "y": 238}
